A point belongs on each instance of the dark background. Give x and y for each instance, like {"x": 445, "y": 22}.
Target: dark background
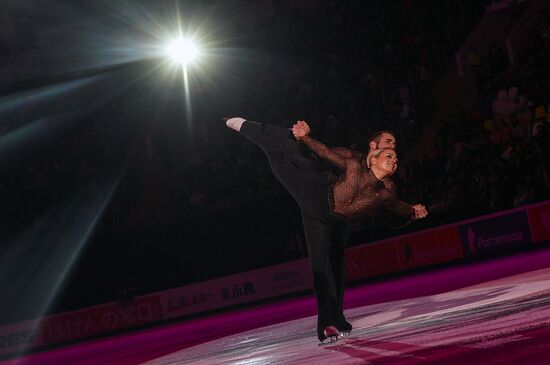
{"x": 113, "y": 185}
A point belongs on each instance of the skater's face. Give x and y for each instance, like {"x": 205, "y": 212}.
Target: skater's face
{"x": 382, "y": 140}
{"x": 384, "y": 161}
{"x": 386, "y": 141}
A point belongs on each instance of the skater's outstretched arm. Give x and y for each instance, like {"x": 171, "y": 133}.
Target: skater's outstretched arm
{"x": 347, "y": 153}
{"x": 401, "y": 208}
{"x": 398, "y": 213}
{"x": 301, "y": 133}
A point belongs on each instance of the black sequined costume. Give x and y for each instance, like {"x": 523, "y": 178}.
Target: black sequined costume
{"x": 328, "y": 204}
{"x": 358, "y": 192}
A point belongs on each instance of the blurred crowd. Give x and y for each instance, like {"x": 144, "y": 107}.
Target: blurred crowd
{"x": 493, "y": 156}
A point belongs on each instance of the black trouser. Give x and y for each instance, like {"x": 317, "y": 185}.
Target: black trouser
{"x": 326, "y": 243}
{"x": 326, "y": 235}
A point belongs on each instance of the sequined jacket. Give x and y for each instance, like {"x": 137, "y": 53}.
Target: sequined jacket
{"x": 357, "y": 193}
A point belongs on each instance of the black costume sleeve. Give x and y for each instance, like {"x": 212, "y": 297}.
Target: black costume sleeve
{"x": 395, "y": 213}
{"x": 347, "y": 153}
{"x": 324, "y": 152}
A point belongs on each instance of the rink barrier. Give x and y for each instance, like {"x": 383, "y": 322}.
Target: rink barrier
{"x": 484, "y": 235}
{"x": 78, "y": 324}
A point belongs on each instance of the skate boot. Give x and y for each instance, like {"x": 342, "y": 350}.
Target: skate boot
{"x": 235, "y": 123}
{"x": 331, "y": 335}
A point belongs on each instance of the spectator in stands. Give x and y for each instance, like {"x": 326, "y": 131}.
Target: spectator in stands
{"x": 476, "y": 67}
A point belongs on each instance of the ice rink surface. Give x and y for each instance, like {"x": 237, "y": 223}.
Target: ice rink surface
{"x": 493, "y": 311}
{"x": 496, "y": 322}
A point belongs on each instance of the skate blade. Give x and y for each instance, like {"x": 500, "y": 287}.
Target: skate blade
{"x": 345, "y": 333}
{"x": 329, "y": 340}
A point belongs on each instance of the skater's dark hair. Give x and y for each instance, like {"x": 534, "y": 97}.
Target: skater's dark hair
{"x": 376, "y": 136}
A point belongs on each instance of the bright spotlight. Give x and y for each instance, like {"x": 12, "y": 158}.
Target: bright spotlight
{"x": 182, "y": 51}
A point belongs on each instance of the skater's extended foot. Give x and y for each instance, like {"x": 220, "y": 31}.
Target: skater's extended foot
{"x": 235, "y": 123}
{"x": 331, "y": 335}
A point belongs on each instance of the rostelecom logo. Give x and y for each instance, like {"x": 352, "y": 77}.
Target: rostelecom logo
{"x": 476, "y": 242}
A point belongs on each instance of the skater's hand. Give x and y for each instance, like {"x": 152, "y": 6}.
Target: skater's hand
{"x": 419, "y": 212}
{"x": 300, "y": 129}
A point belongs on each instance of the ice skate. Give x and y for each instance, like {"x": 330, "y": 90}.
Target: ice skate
{"x": 345, "y": 333}
{"x": 331, "y": 335}
{"x": 235, "y": 123}
{"x": 345, "y": 328}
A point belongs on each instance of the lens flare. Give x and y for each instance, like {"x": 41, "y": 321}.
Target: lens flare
{"x": 182, "y": 51}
